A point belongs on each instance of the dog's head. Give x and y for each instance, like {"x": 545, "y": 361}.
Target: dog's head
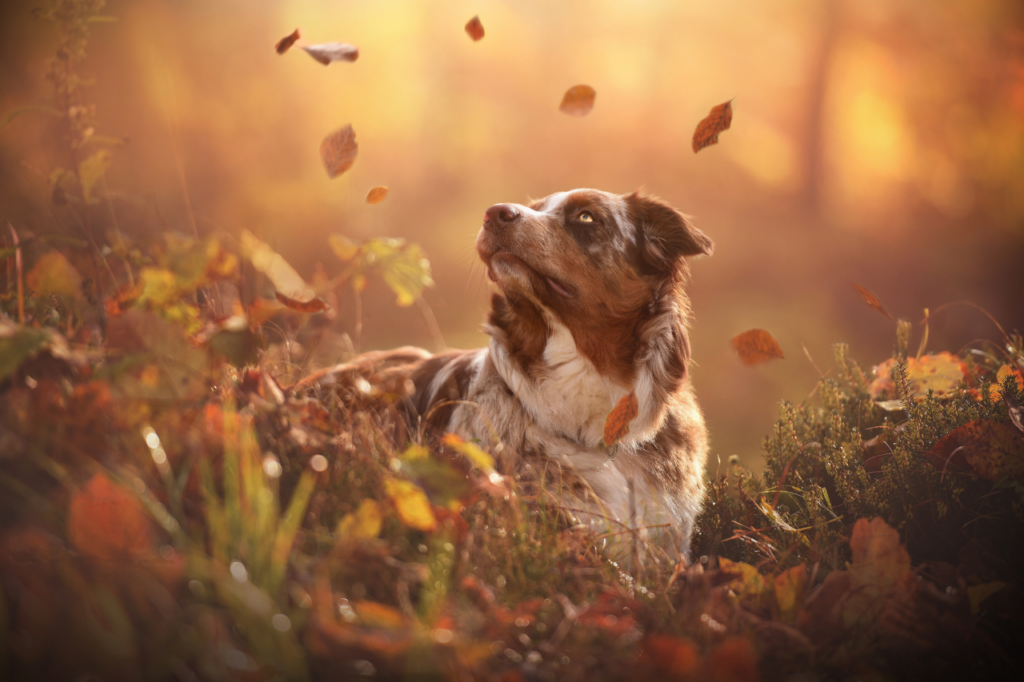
{"x": 601, "y": 264}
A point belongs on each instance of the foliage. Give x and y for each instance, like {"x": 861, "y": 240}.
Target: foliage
{"x": 169, "y": 511}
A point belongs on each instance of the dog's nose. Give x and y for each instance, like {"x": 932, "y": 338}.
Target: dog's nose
{"x": 499, "y": 215}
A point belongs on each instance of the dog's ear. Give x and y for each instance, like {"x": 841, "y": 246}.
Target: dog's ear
{"x": 665, "y": 235}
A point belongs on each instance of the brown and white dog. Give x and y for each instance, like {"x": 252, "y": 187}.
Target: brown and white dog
{"x": 590, "y": 306}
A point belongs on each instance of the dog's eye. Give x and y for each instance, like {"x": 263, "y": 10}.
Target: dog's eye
{"x": 585, "y": 217}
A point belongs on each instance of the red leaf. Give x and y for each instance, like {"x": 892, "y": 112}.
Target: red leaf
{"x": 475, "y": 29}
{"x": 992, "y": 449}
{"x": 616, "y": 426}
{"x": 312, "y": 306}
{"x": 756, "y": 346}
{"x": 578, "y": 100}
{"x": 285, "y": 44}
{"x": 714, "y": 123}
{"x": 871, "y": 300}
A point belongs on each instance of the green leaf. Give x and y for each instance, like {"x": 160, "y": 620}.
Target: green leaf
{"x": 404, "y": 267}
{"x": 20, "y": 344}
{"x": 15, "y": 113}
{"x": 91, "y": 171}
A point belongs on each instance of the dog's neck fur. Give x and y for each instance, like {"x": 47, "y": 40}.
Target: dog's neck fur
{"x": 562, "y": 389}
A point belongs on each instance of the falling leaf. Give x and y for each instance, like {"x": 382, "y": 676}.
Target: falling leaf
{"x": 364, "y": 524}
{"x": 91, "y": 171}
{"x": 282, "y": 275}
{"x": 578, "y": 100}
{"x": 616, "y": 424}
{"x": 338, "y": 151}
{"x": 871, "y": 300}
{"x": 332, "y": 52}
{"x": 475, "y": 29}
{"x": 313, "y": 305}
{"x": 285, "y": 44}
{"x": 471, "y": 451}
{"x": 411, "y": 503}
{"x": 376, "y": 195}
{"x": 756, "y": 346}
{"x": 707, "y": 130}
{"x": 107, "y": 522}
{"x": 992, "y": 449}
{"x": 940, "y": 373}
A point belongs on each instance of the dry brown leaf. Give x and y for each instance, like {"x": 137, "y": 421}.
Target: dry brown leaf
{"x": 616, "y": 426}
{"x": 475, "y": 29}
{"x": 338, "y": 151}
{"x": 871, "y": 299}
{"x": 714, "y": 123}
{"x": 376, "y": 195}
{"x": 314, "y": 305}
{"x": 285, "y": 44}
{"x": 578, "y": 100}
{"x": 332, "y": 52}
{"x": 756, "y": 346}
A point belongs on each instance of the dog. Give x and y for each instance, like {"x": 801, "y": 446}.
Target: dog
{"x": 590, "y": 306}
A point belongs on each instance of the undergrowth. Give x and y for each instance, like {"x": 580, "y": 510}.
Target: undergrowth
{"x": 171, "y": 510}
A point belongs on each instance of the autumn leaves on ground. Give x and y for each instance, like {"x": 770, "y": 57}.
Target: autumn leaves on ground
{"x": 173, "y": 509}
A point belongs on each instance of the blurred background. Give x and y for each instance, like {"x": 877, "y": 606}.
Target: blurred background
{"x": 873, "y": 141}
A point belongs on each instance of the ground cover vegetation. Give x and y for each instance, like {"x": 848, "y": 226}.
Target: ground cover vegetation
{"x": 171, "y": 509}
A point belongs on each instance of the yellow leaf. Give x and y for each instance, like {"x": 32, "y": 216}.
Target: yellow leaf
{"x": 977, "y": 594}
{"x": 414, "y": 452}
{"x": 471, "y": 451}
{"x": 91, "y": 171}
{"x": 364, "y": 524}
{"x": 789, "y": 588}
{"x": 411, "y": 503}
{"x": 53, "y": 274}
{"x": 282, "y": 275}
{"x": 343, "y": 247}
{"x": 750, "y": 583}
{"x": 158, "y": 286}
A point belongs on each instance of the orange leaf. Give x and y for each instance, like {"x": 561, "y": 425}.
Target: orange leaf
{"x": 879, "y": 559}
{"x": 314, "y": 305}
{"x": 475, "y": 29}
{"x": 756, "y": 346}
{"x": 714, "y": 123}
{"x": 616, "y": 426}
{"x": 338, "y": 151}
{"x": 993, "y": 449}
{"x": 578, "y": 100}
{"x": 871, "y": 299}
{"x": 376, "y": 195}
{"x": 107, "y": 522}
{"x": 332, "y": 52}
{"x": 284, "y": 44}
{"x": 672, "y": 655}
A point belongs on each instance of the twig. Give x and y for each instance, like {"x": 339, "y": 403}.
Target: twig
{"x": 435, "y": 329}
{"x": 17, "y": 265}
